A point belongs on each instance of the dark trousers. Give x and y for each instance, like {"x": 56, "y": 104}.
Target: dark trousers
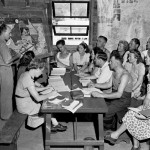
{"x": 116, "y": 107}
{"x": 135, "y": 103}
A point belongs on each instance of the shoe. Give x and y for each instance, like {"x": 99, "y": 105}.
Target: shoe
{"x": 136, "y": 148}
{"x": 109, "y": 138}
{"x": 60, "y": 127}
{"x": 53, "y": 130}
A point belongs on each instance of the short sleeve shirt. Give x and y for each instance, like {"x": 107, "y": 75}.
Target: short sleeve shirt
{"x": 24, "y": 82}
{"x": 80, "y": 61}
{"x": 5, "y": 55}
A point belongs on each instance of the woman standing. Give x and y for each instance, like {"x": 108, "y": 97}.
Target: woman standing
{"x": 6, "y": 74}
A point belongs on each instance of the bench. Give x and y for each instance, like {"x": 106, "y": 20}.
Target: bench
{"x": 10, "y": 131}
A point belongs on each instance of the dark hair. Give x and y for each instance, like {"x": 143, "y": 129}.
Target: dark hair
{"x": 23, "y": 28}
{"x": 117, "y": 56}
{"x": 137, "y": 55}
{"x": 62, "y": 42}
{"x": 96, "y": 50}
{"x": 103, "y": 37}
{"x": 26, "y": 58}
{"x": 36, "y": 63}
{"x": 137, "y": 41}
{"x": 102, "y": 55}
{"x": 3, "y": 28}
{"x": 85, "y": 46}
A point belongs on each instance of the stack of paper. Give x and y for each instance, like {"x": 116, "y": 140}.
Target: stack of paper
{"x": 58, "y": 71}
{"x": 74, "y": 106}
{"x": 87, "y": 91}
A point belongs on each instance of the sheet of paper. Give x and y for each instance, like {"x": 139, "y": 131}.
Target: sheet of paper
{"x": 87, "y": 91}
{"x": 58, "y": 71}
{"x": 54, "y": 77}
{"x": 74, "y": 106}
{"x": 56, "y": 101}
{"x": 47, "y": 91}
{"x": 54, "y": 95}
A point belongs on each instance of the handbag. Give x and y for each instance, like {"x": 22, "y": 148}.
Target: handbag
{"x": 77, "y": 95}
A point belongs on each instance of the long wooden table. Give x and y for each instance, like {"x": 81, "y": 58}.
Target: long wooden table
{"x": 90, "y": 105}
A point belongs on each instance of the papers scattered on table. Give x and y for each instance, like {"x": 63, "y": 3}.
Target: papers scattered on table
{"x": 87, "y": 91}
{"x": 58, "y": 84}
{"x": 54, "y": 94}
{"x": 57, "y": 100}
{"x": 74, "y": 106}
{"x": 84, "y": 82}
{"x": 58, "y": 71}
{"x": 47, "y": 91}
{"x": 54, "y": 77}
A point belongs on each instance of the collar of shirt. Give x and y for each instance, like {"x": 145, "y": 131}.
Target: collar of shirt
{"x": 105, "y": 65}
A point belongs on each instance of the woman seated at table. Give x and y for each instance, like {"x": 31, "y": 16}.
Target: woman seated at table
{"x": 64, "y": 57}
{"x": 28, "y": 98}
{"x": 81, "y": 58}
{"x": 137, "y": 125}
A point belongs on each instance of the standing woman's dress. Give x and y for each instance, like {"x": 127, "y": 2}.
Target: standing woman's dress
{"x": 6, "y": 82}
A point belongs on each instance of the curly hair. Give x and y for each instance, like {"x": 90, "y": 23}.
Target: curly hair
{"x": 27, "y": 58}
{"x": 125, "y": 43}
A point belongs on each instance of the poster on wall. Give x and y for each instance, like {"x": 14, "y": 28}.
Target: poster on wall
{"x": 25, "y": 36}
{"x": 124, "y": 20}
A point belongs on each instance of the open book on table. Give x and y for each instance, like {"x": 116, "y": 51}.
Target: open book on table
{"x": 74, "y": 106}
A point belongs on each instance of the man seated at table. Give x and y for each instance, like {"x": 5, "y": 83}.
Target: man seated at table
{"x": 103, "y": 74}
{"x": 63, "y": 57}
{"x": 120, "y": 98}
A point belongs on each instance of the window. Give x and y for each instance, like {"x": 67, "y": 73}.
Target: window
{"x": 70, "y": 21}
{"x": 71, "y": 9}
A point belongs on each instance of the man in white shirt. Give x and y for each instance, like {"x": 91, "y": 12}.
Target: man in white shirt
{"x": 104, "y": 73}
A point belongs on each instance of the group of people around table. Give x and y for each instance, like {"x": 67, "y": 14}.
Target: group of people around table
{"x": 122, "y": 75}
{"x": 119, "y": 74}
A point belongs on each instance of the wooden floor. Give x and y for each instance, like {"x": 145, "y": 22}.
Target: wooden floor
{"x": 32, "y": 140}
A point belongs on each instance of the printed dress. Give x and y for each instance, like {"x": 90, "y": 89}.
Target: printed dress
{"x": 138, "y": 128}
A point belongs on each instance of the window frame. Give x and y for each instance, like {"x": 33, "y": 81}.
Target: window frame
{"x": 53, "y": 9}
{"x": 71, "y": 34}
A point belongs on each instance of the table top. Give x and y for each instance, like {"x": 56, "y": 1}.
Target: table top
{"x": 90, "y": 104}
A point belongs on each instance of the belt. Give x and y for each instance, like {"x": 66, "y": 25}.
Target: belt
{"x": 19, "y": 96}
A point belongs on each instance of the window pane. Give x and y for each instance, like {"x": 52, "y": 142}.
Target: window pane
{"x": 62, "y": 9}
{"x": 79, "y": 30}
{"x": 79, "y": 9}
{"x": 62, "y": 30}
